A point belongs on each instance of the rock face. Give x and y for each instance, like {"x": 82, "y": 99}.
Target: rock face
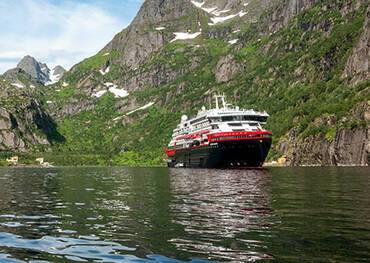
{"x": 349, "y": 146}
{"x": 24, "y": 124}
{"x": 25, "y": 131}
{"x": 226, "y": 69}
{"x": 35, "y": 69}
{"x": 20, "y": 77}
{"x": 357, "y": 66}
{"x": 141, "y": 39}
{"x": 285, "y": 12}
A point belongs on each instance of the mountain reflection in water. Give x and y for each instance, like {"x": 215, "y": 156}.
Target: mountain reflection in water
{"x": 182, "y": 215}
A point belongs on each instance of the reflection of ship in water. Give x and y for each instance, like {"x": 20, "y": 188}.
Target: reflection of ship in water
{"x": 226, "y": 214}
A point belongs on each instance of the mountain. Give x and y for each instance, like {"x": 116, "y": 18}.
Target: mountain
{"x": 37, "y": 70}
{"x": 25, "y": 125}
{"x": 56, "y": 74}
{"x": 303, "y": 61}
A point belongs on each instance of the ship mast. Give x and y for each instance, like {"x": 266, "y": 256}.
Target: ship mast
{"x": 218, "y": 99}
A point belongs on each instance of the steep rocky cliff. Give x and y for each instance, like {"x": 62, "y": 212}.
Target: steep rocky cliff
{"x": 24, "y": 124}
{"x": 304, "y": 61}
{"x": 357, "y": 67}
{"x": 349, "y": 144}
{"x": 347, "y": 140}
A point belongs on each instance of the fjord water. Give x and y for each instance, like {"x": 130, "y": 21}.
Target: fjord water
{"x": 183, "y": 215}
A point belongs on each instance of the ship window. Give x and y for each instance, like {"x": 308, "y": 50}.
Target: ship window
{"x": 214, "y": 126}
{"x": 234, "y": 124}
{"x": 255, "y": 118}
{"x": 232, "y": 118}
{"x": 180, "y": 146}
{"x": 227, "y": 118}
{"x": 253, "y": 124}
{"x": 198, "y": 120}
{"x": 262, "y": 119}
{"x": 215, "y": 119}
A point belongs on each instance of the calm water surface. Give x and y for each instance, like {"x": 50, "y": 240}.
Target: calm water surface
{"x": 161, "y": 215}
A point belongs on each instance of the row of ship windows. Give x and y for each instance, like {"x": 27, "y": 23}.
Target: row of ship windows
{"x": 232, "y": 118}
{"x": 215, "y": 126}
{"x": 191, "y": 144}
{"x": 239, "y": 118}
{"x": 225, "y": 119}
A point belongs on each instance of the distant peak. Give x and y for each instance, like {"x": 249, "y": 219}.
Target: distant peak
{"x": 40, "y": 71}
{"x": 56, "y": 74}
{"x": 27, "y": 60}
{"x": 59, "y": 69}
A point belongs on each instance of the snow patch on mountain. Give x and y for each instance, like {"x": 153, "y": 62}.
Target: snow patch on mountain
{"x": 99, "y": 93}
{"x": 220, "y": 19}
{"x": 141, "y": 108}
{"x": 118, "y": 93}
{"x": 208, "y": 10}
{"x": 18, "y": 85}
{"x": 216, "y": 13}
{"x": 234, "y": 41}
{"x": 184, "y": 35}
{"x": 112, "y": 88}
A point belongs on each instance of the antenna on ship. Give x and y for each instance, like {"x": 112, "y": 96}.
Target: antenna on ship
{"x": 223, "y": 101}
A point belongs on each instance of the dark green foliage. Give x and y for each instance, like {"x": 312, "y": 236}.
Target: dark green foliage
{"x": 90, "y": 131}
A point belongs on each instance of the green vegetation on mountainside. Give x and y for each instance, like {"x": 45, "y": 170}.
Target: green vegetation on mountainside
{"x": 295, "y": 74}
{"x": 299, "y": 78}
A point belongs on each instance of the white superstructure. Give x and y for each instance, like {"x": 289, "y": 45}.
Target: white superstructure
{"x": 223, "y": 118}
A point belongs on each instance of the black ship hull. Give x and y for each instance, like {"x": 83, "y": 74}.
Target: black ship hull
{"x": 229, "y": 154}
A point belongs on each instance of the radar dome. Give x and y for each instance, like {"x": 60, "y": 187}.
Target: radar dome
{"x": 184, "y": 118}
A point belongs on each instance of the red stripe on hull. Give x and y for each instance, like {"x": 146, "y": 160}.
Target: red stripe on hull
{"x": 225, "y": 137}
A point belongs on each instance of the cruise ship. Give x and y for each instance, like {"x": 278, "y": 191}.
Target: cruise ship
{"x": 221, "y": 137}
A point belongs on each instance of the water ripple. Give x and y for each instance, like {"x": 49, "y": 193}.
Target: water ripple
{"x": 82, "y": 249}
{"x": 180, "y": 215}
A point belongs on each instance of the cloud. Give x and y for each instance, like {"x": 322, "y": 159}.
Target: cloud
{"x": 55, "y": 32}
